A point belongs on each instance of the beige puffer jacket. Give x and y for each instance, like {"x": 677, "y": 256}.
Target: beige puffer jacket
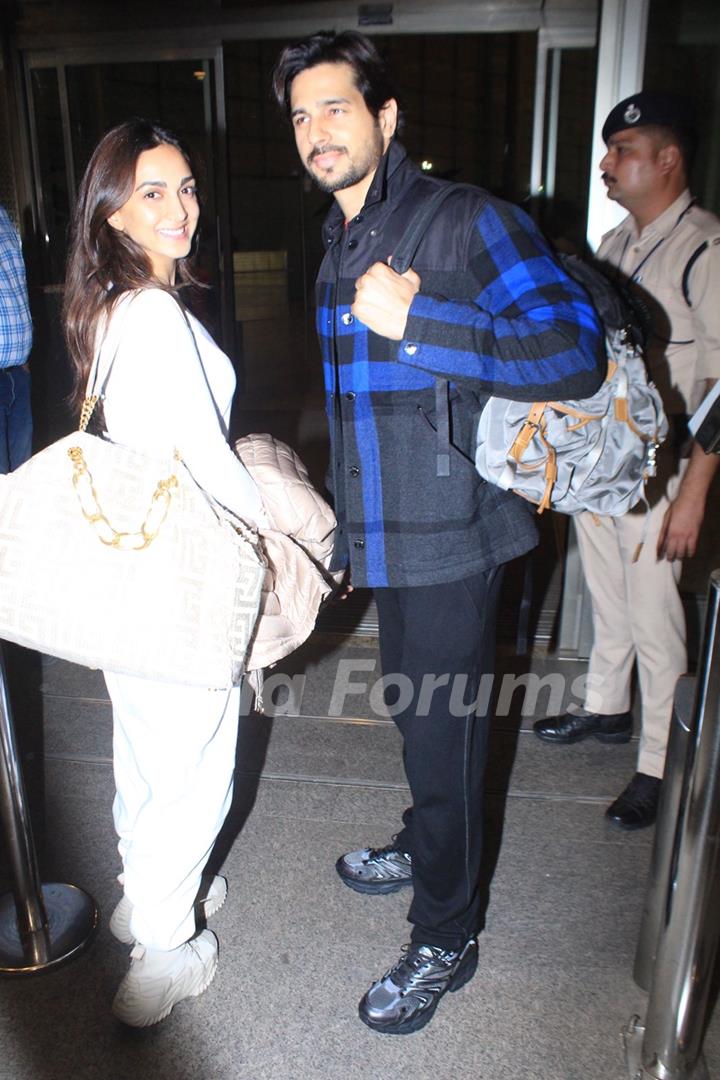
{"x": 298, "y": 547}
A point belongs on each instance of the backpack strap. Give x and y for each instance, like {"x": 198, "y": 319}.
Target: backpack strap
{"x": 442, "y": 421}
{"x": 406, "y": 250}
{"x": 688, "y": 267}
{"x": 401, "y": 261}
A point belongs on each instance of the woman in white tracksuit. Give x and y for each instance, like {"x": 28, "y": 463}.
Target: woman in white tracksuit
{"x": 173, "y": 746}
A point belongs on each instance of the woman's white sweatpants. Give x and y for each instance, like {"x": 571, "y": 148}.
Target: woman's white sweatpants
{"x": 174, "y": 757}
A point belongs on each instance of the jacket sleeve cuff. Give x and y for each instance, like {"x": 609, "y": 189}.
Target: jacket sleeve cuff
{"x": 422, "y": 308}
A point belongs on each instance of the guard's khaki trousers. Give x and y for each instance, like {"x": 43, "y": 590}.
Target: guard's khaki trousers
{"x": 637, "y": 618}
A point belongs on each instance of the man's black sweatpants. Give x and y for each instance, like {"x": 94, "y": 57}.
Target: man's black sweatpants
{"x": 442, "y": 639}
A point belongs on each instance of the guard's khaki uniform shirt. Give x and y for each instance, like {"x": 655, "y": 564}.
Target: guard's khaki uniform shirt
{"x": 685, "y": 347}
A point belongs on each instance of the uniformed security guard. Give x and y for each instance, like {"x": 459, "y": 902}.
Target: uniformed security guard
{"x": 668, "y": 251}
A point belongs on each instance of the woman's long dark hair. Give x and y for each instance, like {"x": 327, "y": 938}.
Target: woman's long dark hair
{"x": 103, "y": 262}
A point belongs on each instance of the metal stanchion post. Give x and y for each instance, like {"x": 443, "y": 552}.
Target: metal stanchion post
{"x": 41, "y": 926}
{"x": 669, "y": 1046}
{"x": 670, "y": 811}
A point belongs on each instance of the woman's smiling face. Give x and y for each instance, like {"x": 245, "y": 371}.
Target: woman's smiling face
{"x": 162, "y": 212}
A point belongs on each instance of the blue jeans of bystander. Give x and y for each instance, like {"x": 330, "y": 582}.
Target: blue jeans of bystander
{"x": 15, "y": 417}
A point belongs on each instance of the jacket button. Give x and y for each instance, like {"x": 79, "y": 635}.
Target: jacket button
{"x": 350, "y": 396}
{"x": 352, "y": 244}
{"x": 354, "y": 470}
{"x": 358, "y": 218}
{"x": 373, "y": 232}
{"x": 411, "y": 348}
{"x": 359, "y": 544}
{"x": 347, "y": 318}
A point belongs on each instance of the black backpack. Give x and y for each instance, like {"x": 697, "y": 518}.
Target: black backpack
{"x": 617, "y": 307}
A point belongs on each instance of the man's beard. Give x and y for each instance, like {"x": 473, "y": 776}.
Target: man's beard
{"x": 358, "y": 170}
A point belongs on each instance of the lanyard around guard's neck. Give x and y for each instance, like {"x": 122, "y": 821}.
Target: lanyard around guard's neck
{"x": 633, "y": 277}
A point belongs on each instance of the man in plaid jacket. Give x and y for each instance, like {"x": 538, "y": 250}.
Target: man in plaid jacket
{"x": 487, "y": 308}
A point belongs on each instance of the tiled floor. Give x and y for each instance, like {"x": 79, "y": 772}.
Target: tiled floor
{"x": 298, "y": 949}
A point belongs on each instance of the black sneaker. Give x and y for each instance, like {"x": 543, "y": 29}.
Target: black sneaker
{"x": 376, "y": 870}
{"x": 406, "y": 997}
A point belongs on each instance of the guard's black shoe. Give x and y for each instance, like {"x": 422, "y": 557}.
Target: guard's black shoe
{"x": 406, "y": 997}
{"x": 376, "y": 870}
{"x": 570, "y": 728}
{"x": 637, "y": 807}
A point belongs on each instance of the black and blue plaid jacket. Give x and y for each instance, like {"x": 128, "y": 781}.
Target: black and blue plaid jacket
{"x": 495, "y": 315}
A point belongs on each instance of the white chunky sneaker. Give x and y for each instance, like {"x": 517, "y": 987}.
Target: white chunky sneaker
{"x": 119, "y": 924}
{"x": 157, "y": 980}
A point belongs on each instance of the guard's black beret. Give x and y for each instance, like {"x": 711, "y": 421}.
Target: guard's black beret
{"x": 648, "y": 107}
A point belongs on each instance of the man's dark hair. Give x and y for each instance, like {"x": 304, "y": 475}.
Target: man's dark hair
{"x": 685, "y": 140}
{"x": 326, "y": 47}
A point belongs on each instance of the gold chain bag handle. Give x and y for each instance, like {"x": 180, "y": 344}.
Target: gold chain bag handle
{"x": 90, "y": 505}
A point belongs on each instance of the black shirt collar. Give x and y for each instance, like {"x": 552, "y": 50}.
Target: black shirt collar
{"x": 390, "y": 162}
